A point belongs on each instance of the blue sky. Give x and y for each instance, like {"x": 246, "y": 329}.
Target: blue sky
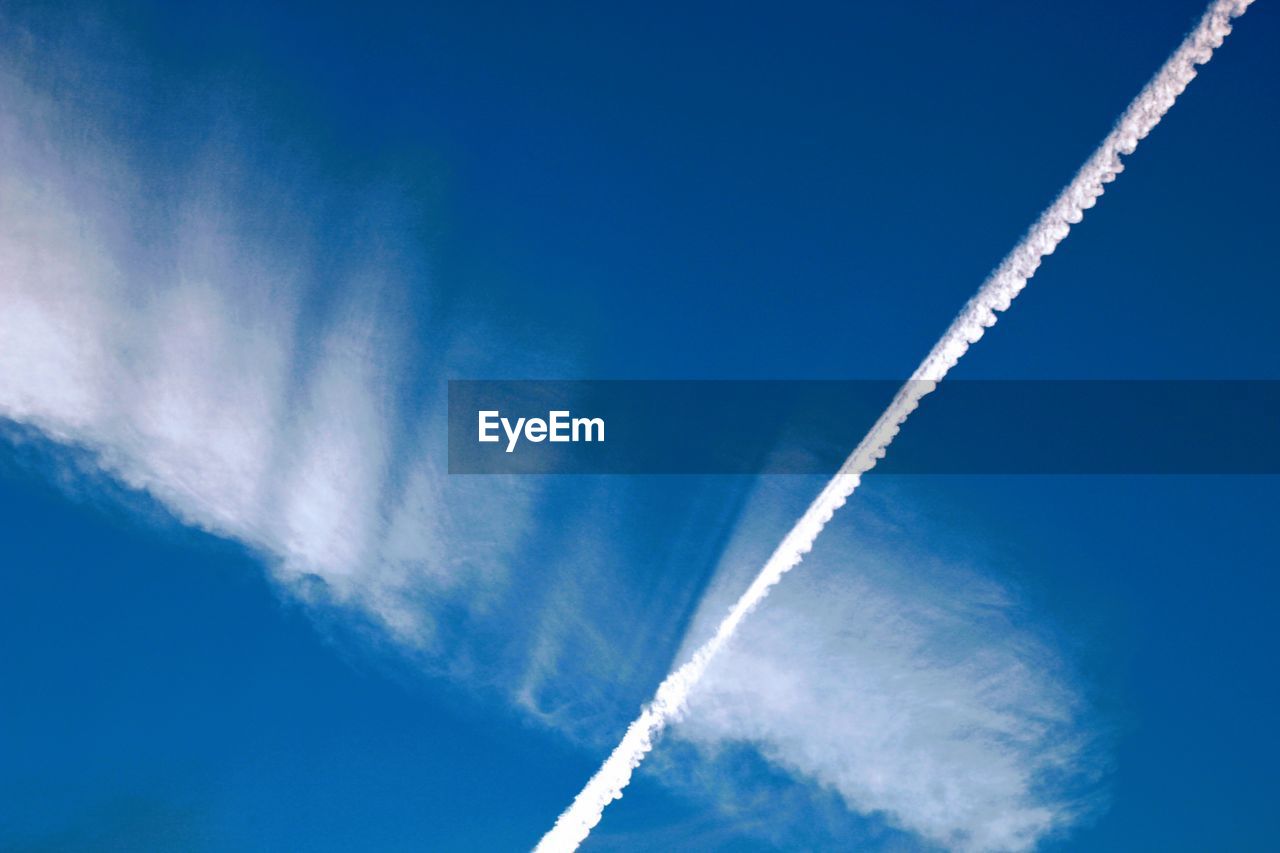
{"x": 243, "y": 248}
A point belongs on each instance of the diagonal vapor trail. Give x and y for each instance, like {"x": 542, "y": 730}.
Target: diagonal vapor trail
{"x": 979, "y": 314}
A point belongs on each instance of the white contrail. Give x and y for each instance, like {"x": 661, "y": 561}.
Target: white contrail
{"x": 573, "y": 826}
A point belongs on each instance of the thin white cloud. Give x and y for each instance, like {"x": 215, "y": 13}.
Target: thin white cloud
{"x": 183, "y": 347}
{"x": 181, "y": 322}
{"x": 904, "y": 684}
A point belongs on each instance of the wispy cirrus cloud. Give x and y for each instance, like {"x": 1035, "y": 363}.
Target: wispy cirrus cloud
{"x": 910, "y": 686}
{"x": 218, "y": 323}
{"x": 185, "y": 321}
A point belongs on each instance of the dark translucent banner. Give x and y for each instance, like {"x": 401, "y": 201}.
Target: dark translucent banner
{"x": 809, "y": 427}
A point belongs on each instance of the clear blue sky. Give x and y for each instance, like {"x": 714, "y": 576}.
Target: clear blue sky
{"x": 617, "y": 191}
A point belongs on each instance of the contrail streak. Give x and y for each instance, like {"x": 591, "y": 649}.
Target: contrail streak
{"x": 996, "y": 293}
